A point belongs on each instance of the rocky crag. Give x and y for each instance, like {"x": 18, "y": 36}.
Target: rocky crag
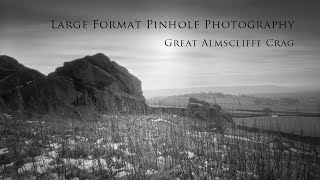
{"x": 202, "y": 110}
{"x": 92, "y": 80}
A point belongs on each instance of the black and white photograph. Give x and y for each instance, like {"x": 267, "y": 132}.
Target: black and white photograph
{"x": 159, "y": 90}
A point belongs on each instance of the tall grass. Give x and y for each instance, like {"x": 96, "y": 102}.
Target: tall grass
{"x": 146, "y": 147}
{"x": 118, "y": 145}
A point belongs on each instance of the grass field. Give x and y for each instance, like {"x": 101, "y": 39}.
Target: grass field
{"x": 303, "y": 126}
{"x": 234, "y": 102}
{"x": 154, "y": 146}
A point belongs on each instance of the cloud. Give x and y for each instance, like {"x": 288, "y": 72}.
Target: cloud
{"x": 26, "y": 34}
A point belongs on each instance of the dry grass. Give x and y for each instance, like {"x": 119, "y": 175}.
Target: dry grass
{"x": 157, "y": 146}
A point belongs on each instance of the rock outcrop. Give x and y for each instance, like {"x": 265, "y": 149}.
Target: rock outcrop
{"x": 202, "y": 110}
{"x": 14, "y": 75}
{"x": 93, "y": 80}
{"x": 104, "y": 83}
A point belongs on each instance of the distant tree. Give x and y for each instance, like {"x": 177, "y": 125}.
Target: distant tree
{"x": 218, "y": 94}
{"x": 257, "y": 101}
{"x": 244, "y": 96}
{"x": 267, "y": 110}
{"x": 288, "y": 100}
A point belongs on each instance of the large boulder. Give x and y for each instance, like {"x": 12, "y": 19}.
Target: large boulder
{"x": 103, "y": 83}
{"x": 101, "y": 73}
{"x": 14, "y": 75}
{"x": 202, "y": 110}
{"x": 93, "y": 80}
{"x": 8, "y": 66}
{"x": 27, "y": 89}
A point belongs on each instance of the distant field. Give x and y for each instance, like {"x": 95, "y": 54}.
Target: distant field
{"x": 301, "y": 118}
{"x": 240, "y": 102}
{"x": 305, "y": 126}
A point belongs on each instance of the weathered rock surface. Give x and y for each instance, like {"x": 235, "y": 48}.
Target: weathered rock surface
{"x": 202, "y": 110}
{"x": 92, "y": 80}
{"x": 9, "y": 66}
{"x": 14, "y": 75}
{"x": 98, "y": 71}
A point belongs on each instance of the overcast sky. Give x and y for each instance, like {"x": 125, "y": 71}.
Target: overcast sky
{"x": 26, "y": 35}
